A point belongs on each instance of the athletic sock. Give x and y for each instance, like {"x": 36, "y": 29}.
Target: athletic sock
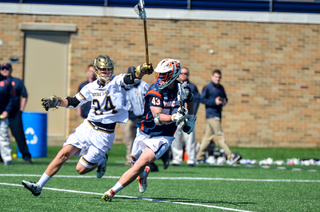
{"x": 116, "y": 188}
{"x": 43, "y": 180}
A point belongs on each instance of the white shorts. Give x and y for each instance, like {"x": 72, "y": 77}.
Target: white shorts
{"x": 93, "y": 143}
{"x": 159, "y": 145}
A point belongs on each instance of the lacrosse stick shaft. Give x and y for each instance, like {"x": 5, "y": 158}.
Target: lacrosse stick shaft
{"x": 146, "y": 41}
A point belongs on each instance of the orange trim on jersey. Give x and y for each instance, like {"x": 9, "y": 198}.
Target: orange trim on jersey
{"x": 155, "y": 93}
{"x": 142, "y": 125}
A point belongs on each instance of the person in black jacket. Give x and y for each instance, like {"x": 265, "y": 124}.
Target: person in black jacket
{"x": 6, "y": 102}
{"x": 214, "y": 97}
{"x": 20, "y": 96}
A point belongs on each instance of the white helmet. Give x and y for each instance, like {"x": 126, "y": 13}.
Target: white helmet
{"x": 101, "y": 62}
{"x": 169, "y": 70}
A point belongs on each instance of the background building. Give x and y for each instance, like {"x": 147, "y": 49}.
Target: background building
{"x": 270, "y": 61}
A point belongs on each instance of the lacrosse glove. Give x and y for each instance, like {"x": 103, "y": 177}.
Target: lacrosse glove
{"x": 50, "y": 102}
{"x": 179, "y": 116}
{"x": 145, "y": 68}
{"x": 188, "y": 127}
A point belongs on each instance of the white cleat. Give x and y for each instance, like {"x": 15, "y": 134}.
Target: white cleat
{"x": 107, "y": 196}
{"x": 101, "y": 170}
{"x": 143, "y": 180}
{"x": 33, "y": 187}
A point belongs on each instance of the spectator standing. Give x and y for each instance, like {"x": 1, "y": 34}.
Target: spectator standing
{"x": 214, "y": 97}
{"x": 20, "y": 97}
{"x": 135, "y": 107}
{"x": 177, "y": 144}
{"x": 85, "y": 108}
{"x": 6, "y": 103}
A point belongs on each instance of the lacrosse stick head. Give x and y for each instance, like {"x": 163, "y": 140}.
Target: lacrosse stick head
{"x": 139, "y": 9}
{"x": 183, "y": 92}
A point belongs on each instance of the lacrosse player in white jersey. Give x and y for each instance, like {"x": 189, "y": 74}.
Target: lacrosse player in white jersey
{"x": 167, "y": 103}
{"x": 94, "y": 137}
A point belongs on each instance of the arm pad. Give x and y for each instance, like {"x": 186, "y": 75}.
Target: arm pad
{"x": 157, "y": 119}
{"x": 73, "y": 102}
{"x": 131, "y": 79}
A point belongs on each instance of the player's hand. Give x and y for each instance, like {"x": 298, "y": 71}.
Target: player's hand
{"x": 188, "y": 127}
{"x": 180, "y": 116}
{"x": 145, "y": 69}
{"x": 50, "y": 102}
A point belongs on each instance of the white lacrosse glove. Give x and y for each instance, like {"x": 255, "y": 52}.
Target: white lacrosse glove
{"x": 50, "y": 102}
{"x": 188, "y": 127}
{"x": 179, "y": 116}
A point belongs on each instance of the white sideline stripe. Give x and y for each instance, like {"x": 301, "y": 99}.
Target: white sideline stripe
{"x": 130, "y": 197}
{"x": 170, "y": 178}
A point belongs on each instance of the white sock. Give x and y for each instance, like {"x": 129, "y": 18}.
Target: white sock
{"x": 116, "y": 188}
{"x": 43, "y": 180}
{"x": 101, "y": 160}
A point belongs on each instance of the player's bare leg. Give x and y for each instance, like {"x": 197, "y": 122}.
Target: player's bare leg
{"x": 147, "y": 157}
{"x": 63, "y": 155}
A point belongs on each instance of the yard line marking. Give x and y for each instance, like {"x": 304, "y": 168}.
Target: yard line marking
{"x": 282, "y": 168}
{"x": 131, "y": 197}
{"x": 170, "y": 178}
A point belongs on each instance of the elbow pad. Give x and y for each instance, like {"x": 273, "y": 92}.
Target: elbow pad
{"x": 131, "y": 79}
{"x": 157, "y": 119}
{"x": 73, "y": 102}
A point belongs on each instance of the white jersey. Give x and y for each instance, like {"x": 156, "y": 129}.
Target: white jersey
{"x": 135, "y": 98}
{"x": 107, "y": 102}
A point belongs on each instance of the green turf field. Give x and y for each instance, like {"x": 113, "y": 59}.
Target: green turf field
{"x": 201, "y": 188}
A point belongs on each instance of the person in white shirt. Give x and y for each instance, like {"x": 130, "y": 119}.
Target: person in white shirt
{"x": 94, "y": 137}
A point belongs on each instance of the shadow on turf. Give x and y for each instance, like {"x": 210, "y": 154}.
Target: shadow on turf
{"x": 155, "y": 199}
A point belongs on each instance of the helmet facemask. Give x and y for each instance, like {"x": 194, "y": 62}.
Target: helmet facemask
{"x": 166, "y": 72}
{"x": 103, "y": 62}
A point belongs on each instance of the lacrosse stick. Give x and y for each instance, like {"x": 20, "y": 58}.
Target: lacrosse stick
{"x": 139, "y": 9}
{"x": 181, "y": 92}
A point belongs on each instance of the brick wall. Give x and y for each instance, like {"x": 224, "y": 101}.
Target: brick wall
{"x": 271, "y": 71}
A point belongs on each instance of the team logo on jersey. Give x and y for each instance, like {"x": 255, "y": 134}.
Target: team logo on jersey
{"x": 170, "y": 103}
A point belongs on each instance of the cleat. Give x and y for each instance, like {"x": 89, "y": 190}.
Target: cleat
{"x": 33, "y": 187}
{"x": 166, "y": 159}
{"x": 143, "y": 180}
{"x": 107, "y": 196}
{"x": 101, "y": 170}
{"x": 235, "y": 158}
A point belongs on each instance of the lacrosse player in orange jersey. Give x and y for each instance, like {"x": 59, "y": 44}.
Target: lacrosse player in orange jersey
{"x": 163, "y": 113}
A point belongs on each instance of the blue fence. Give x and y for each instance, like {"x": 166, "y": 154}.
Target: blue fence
{"x": 228, "y": 5}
